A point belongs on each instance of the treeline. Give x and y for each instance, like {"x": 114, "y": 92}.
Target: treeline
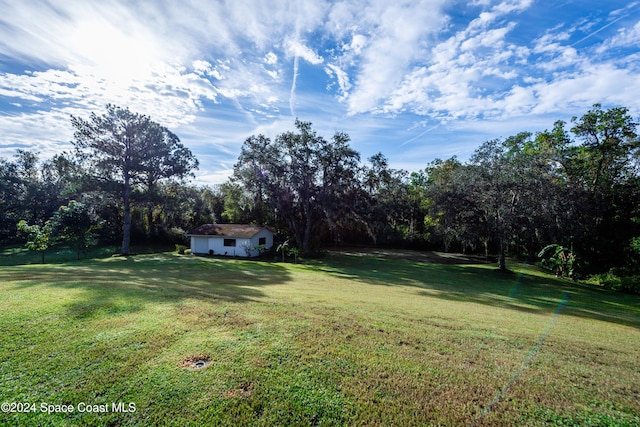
{"x": 577, "y": 189}
{"x": 576, "y": 186}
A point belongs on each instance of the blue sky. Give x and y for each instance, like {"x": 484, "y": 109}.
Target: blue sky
{"x": 415, "y": 80}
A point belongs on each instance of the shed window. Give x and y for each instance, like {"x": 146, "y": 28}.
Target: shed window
{"x": 262, "y": 241}
{"x": 230, "y": 242}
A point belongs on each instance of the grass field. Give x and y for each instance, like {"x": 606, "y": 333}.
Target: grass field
{"x": 350, "y": 339}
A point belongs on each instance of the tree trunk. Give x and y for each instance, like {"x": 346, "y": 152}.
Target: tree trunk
{"x": 126, "y": 224}
{"x": 150, "y": 231}
{"x": 502, "y": 263}
{"x": 306, "y": 242}
{"x": 296, "y": 232}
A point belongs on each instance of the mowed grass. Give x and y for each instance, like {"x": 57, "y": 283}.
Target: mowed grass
{"x": 347, "y": 340}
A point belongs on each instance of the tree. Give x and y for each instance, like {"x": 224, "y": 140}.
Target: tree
{"x": 126, "y": 151}
{"x": 9, "y": 198}
{"x": 388, "y": 207}
{"x": 634, "y": 254}
{"x": 609, "y": 137}
{"x": 31, "y": 194}
{"x": 337, "y": 184}
{"x": 526, "y": 192}
{"x": 300, "y": 167}
{"x": 282, "y": 247}
{"x": 455, "y": 212}
{"x": 602, "y": 172}
{"x": 76, "y": 225}
{"x": 29, "y": 190}
{"x": 213, "y": 201}
{"x": 493, "y": 185}
{"x": 303, "y": 179}
{"x": 447, "y": 204}
{"x": 295, "y": 252}
{"x": 501, "y": 195}
{"x": 559, "y": 259}
{"x": 38, "y": 237}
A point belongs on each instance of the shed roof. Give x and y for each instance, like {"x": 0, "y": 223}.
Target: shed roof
{"x": 227, "y": 230}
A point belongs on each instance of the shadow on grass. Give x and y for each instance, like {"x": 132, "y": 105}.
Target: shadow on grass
{"x": 19, "y": 255}
{"x": 15, "y": 255}
{"x": 526, "y": 289}
{"x": 125, "y": 284}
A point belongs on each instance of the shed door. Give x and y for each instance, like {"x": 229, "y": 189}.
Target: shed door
{"x": 200, "y": 245}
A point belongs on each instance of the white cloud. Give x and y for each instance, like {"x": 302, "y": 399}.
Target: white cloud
{"x": 473, "y": 74}
{"x": 604, "y": 83}
{"x": 501, "y": 9}
{"x": 297, "y": 49}
{"x": 396, "y": 35}
{"x": 273, "y": 74}
{"x": 201, "y": 67}
{"x": 271, "y": 58}
{"x": 461, "y": 73}
{"x": 358, "y": 42}
{"x": 625, "y": 37}
{"x": 554, "y": 53}
{"x": 342, "y": 77}
{"x": 490, "y": 38}
{"x": 49, "y": 132}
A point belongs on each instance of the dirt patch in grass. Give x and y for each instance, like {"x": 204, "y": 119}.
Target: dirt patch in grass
{"x": 243, "y": 391}
{"x": 432, "y": 257}
{"x": 197, "y": 361}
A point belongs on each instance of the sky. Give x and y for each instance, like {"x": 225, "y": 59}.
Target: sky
{"x": 414, "y": 79}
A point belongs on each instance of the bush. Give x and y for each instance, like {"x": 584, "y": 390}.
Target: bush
{"x": 562, "y": 261}
{"x": 607, "y": 280}
{"x": 610, "y": 280}
{"x": 631, "y": 284}
{"x": 181, "y": 248}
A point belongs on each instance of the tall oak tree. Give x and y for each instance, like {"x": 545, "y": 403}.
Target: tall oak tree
{"x": 123, "y": 151}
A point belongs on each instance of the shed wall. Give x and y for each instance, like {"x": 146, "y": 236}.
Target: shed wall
{"x": 204, "y": 244}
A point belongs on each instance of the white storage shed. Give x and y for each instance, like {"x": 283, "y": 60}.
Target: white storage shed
{"x": 230, "y": 239}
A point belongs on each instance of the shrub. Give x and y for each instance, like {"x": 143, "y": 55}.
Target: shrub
{"x": 607, "y": 280}
{"x": 610, "y": 280}
{"x": 562, "y": 261}
{"x": 631, "y": 284}
{"x": 262, "y": 250}
{"x": 181, "y": 248}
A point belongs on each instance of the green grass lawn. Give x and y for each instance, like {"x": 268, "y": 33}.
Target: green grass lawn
{"x": 347, "y": 340}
